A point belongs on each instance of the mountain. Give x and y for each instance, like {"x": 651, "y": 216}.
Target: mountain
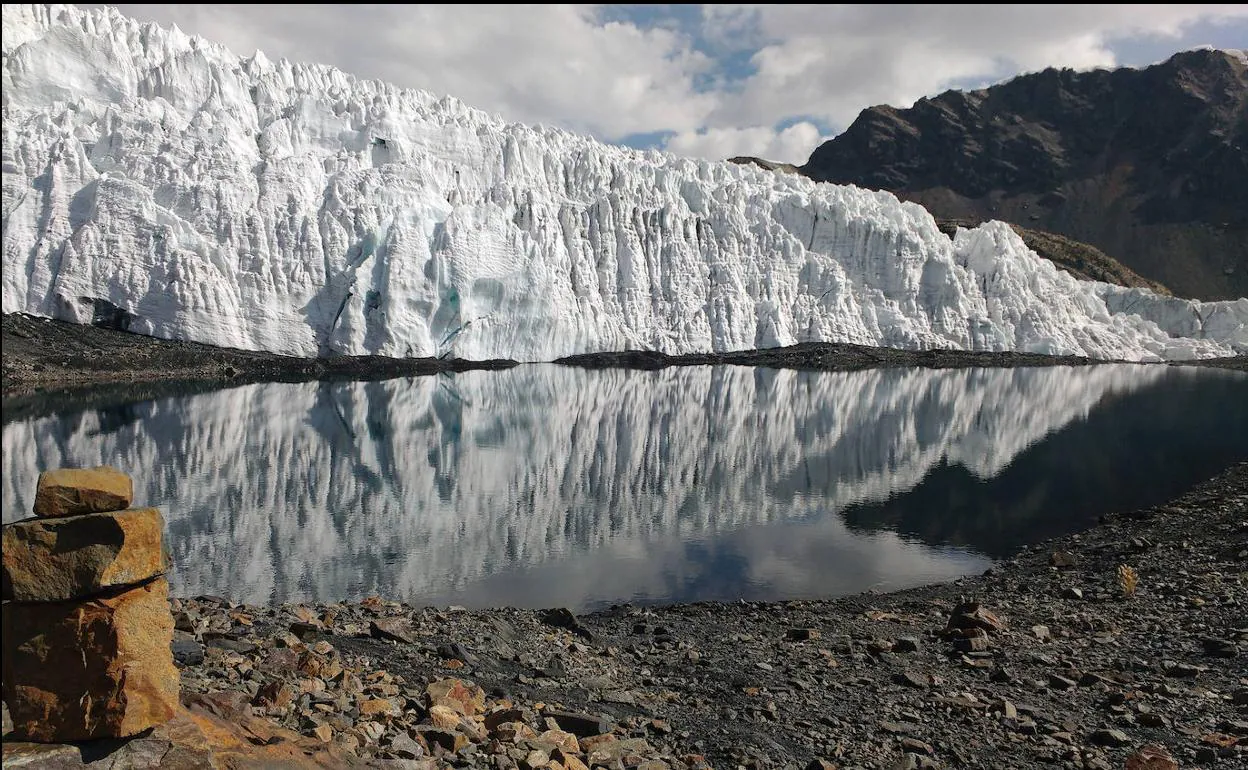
{"x": 154, "y": 181}
{"x": 1148, "y": 165}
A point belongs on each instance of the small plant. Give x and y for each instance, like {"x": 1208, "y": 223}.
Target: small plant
{"x": 1128, "y": 580}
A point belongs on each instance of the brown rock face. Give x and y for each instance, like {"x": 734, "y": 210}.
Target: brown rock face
{"x": 70, "y": 491}
{"x": 90, "y": 669}
{"x": 52, "y": 560}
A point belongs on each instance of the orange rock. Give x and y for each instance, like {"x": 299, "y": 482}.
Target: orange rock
{"x": 70, "y": 491}
{"x": 1151, "y": 756}
{"x": 464, "y": 697}
{"x": 53, "y": 560}
{"x": 444, "y": 717}
{"x": 96, "y": 668}
{"x": 379, "y": 707}
{"x": 564, "y": 741}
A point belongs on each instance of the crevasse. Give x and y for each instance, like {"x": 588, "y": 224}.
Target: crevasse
{"x": 155, "y": 179}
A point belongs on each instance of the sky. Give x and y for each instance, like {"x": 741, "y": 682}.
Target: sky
{"x": 709, "y": 81}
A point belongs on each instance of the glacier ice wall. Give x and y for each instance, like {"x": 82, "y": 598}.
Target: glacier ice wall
{"x": 426, "y": 487}
{"x": 157, "y": 180}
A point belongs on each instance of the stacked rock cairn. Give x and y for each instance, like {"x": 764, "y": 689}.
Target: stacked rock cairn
{"x": 86, "y": 622}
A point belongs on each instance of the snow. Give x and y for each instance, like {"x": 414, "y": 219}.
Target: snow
{"x": 512, "y": 469}
{"x": 290, "y": 207}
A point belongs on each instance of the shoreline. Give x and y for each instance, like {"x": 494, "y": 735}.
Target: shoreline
{"x": 45, "y": 359}
{"x": 1039, "y": 662}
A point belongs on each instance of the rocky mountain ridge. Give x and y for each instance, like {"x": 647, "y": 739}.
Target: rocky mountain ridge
{"x": 1148, "y": 165}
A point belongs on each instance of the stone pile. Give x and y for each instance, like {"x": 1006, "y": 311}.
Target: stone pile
{"x": 86, "y": 622}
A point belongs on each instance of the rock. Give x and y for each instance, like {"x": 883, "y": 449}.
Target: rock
{"x": 912, "y": 761}
{"x": 1218, "y": 648}
{"x": 971, "y": 644}
{"x": 580, "y": 725}
{"x": 52, "y": 560}
{"x": 71, "y": 491}
{"x": 559, "y": 739}
{"x": 40, "y": 756}
{"x": 1059, "y": 682}
{"x": 907, "y": 644}
{"x": 186, "y": 651}
{"x": 379, "y": 707}
{"x": 464, "y": 697}
{"x": 821, "y": 764}
{"x": 444, "y": 717}
{"x": 1151, "y": 757}
{"x": 394, "y": 630}
{"x": 801, "y": 634}
{"x": 455, "y": 651}
{"x": 450, "y": 740}
{"x": 404, "y": 746}
{"x": 1042, "y": 633}
{"x": 562, "y": 617}
{"x": 913, "y": 679}
{"x": 497, "y": 716}
{"x": 1063, "y": 560}
{"x": 613, "y": 751}
{"x": 1072, "y": 593}
{"x": 1109, "y": 738}
{"x": 98, "y": 668}
{"x": 973, "y": 615}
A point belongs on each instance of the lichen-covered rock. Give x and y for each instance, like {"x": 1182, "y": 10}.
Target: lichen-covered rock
{"x": 70, "y": 491}
{"x": 456, "y": 694}
{"x": 52, "y": 560}
{"x": 96, "y": 668}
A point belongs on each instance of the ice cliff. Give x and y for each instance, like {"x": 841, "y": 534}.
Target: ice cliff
{"x": 155, "y": 181}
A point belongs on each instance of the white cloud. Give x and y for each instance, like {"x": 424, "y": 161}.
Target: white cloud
{"x": 554, "y": 64}
{"x": 829, "y": 62}
{"x": 665, "y": 73}
{"x": 790, "y": 145}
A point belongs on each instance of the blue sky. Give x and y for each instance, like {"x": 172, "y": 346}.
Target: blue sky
{"x": 706, "y": 80}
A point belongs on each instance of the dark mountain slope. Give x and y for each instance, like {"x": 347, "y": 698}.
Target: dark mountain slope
{"x": 1149, "y": 165}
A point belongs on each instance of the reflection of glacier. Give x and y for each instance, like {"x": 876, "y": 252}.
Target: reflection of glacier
{"x": 414, "y": 487}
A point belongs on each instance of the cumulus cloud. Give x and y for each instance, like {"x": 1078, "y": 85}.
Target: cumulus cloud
{"x": 788, "y": 145}
{"x": 559, "y": 65}
{"x": 829, "y": 62}
{"x": 717, "y": 81}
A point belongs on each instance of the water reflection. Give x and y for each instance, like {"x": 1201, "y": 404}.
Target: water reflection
{"x": 545, "y": 485}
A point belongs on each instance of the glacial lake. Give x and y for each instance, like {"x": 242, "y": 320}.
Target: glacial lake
{"x": 547, "y": 486}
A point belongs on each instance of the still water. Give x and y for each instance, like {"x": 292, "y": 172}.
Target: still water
{"x": 550, "y": 486}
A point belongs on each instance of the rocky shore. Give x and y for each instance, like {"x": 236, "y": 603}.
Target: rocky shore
{"x": 49, "y": 361}
{"x": 1123, "y": 646}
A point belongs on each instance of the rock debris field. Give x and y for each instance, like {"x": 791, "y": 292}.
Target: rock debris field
{"x": 1043, "y": 662}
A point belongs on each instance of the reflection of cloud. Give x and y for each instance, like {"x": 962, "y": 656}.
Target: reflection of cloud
{"x": 427, "y": 486}
{"x": 788, "y": 560}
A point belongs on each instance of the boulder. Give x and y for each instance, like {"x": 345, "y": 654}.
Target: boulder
{"x": 456, "y": 694}
{"x": 71, "y": 491}
{"x": 52, "y": 560}
{"x": 100, "y": 667}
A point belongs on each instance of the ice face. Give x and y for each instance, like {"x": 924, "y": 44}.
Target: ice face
{"x": 155, "y": 180}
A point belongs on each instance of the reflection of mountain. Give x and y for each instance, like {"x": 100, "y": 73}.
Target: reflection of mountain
{"x": 414, "y": 487}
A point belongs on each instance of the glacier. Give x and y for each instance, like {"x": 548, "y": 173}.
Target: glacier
{"x": 438, "y": 489}
{"x": 158, "y": 181}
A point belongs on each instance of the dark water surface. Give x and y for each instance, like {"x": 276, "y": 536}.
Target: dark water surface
{"x": 550, "y": 486}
